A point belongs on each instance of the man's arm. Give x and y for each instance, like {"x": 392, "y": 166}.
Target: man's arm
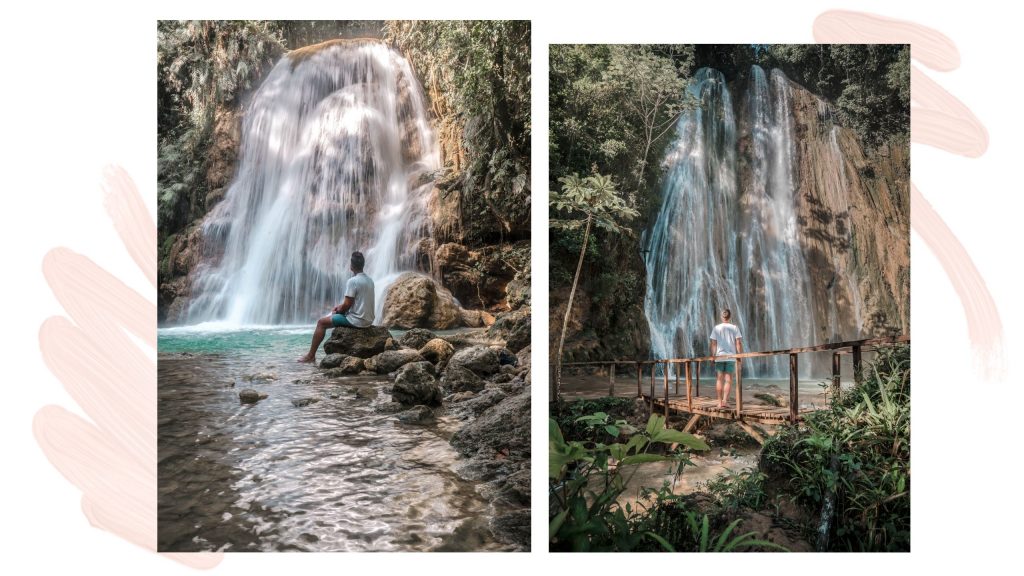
{"x": 344, "y": 306}
{"x": 739, "y": 345}
{"x": 714, "y": 347}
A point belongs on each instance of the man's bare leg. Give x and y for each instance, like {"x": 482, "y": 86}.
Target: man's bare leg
{"x": 719, "y": 376}
{"x": 725, "y": 389}
{"x": 318, "y": 336}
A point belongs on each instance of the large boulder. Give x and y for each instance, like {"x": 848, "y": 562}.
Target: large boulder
{"x": 358, "y": 342}
{"x": 390, "y": 360}
{"x": 414, "y": 384}
{"x": 481, "y": 360}
{"x": 437, "y": 351}
{"x": 461, "y": 379}
{"x": 512, "y": 327}
{"x": 506, "y": 426}
{"x": 416, "y": 338}
{"x": 416, "y": 301}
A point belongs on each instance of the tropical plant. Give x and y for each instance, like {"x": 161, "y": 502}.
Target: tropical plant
{"x": 853, "y": 461}
{"x": 586, "y": 480}
{"x": 591, "y": 200}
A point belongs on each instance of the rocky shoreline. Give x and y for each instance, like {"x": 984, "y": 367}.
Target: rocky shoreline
{"x": 471, "y": 378}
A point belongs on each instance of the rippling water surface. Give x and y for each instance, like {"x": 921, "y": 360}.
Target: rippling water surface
{"x": 330, "y": 476}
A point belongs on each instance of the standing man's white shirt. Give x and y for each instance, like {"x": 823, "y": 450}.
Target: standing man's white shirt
{"x": 360, "y": 289}
{"x": 725, "y": 334}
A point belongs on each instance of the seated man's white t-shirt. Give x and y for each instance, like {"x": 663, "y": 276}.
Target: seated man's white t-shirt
{"x": 360, "y": 288}
{"x": 725, "y": 335}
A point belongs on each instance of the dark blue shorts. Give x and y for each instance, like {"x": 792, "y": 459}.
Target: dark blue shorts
{"x": 727, "y": 367}
{"x": 340, "y": 320}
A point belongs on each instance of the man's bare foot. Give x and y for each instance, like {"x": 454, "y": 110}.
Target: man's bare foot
{"x": 307, "y": 359}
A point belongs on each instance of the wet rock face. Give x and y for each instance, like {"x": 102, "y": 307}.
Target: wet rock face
{"x": 506, "y": 426}
{"x": 358, "y": 342}
{"x": 417, "y": 415}
{"x": 416, "y": 301}
{"x": 341, "y": 365}
{"x": 481, "y": 360}
{"x": 514, "y": 328}
{"x": 460, "y": 379}
{"x": 414, "y": 384}
{"x": 390, "y": 360}
{"x": 437, "y": 351}
{"x": 416, "y": 338}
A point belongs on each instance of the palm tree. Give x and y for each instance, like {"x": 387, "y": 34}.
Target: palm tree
{"x": 587, "y": 201}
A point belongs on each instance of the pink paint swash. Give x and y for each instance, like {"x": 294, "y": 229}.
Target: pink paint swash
{"x": 112, "y": 459}
{"x": 938, "y": 119}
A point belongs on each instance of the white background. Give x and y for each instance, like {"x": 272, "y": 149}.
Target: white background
{"x": 79, "y": 92}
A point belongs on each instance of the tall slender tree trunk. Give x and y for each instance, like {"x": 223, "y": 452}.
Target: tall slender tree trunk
{"x": 568, "y": 310}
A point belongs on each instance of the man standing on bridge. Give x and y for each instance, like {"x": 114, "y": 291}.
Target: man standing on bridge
{"x": 356, "y": 311}
{"x": 725, "y": 341}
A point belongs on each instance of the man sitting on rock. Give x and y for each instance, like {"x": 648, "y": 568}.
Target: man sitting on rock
{"x": 356, "y": 311}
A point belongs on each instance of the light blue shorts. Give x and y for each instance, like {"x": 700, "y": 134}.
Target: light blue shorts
{"x": 341, "y": 320}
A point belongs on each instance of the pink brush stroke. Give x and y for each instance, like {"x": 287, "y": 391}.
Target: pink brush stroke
{"x": 940, "y": 120}
{"x": 112, "y": 459}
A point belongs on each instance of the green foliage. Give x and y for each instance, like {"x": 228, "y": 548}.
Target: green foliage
{"x": 477, "y": 74}
{"x": 586, "y": 479}
{"x": 570, "y": 416}
{"x": 202, "y": 68}
{"x": 866, "y": 433}
{"x": 734, "y": 491}
{"x": 869, "y": 84}
{"x": 612, "y": 108}
{"x": 594, "y": 196}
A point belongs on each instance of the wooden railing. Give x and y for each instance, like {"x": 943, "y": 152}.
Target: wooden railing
{"x": 691, "y": 370}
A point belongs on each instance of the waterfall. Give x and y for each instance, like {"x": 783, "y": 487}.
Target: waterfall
{"x": 728, "y": 233}
{"x": 335, "y": 157}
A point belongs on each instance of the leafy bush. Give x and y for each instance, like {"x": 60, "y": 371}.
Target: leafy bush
{"x": 586, "y": 480}
{"x": 857, "y": 453}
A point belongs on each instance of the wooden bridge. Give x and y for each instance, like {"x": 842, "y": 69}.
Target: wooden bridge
{"x": 691, "y": 402}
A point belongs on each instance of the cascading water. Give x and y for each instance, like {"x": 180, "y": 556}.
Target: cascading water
{"x": 335, "y": 147}
{"x": 726, "y": 239}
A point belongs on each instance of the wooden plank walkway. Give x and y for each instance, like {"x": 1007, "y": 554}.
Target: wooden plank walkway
{"x": 707, "y": 406}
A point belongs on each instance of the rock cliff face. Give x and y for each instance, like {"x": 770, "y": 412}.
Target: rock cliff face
{"x": 854, "y": 213}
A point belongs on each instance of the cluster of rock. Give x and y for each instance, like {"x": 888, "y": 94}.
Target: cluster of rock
{"x": 487, "y": 387}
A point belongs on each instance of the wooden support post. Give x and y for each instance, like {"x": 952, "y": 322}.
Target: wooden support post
{"x": 611, "y": 380}
{"x": 666, "y": 393}
{"x": 794, "y": 390}
{"x": 638, "y": 370}
{"x": 835, "y": 375}
{"x": 691, "y": 423}
{"x": 654, "y": 368}
{"x": 696, "y": 383}
{"x": 739, "y": 387}
{"x": 554, "y": 372}
{"x": 677, "y": 377}
{"x": 856, "y": 364}
{"x": 753, "y": 433}
{"x": 689, "y": 392}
